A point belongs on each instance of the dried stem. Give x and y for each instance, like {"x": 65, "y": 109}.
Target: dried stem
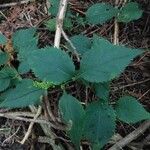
{"x": 130, "y": 137}
{"x": 31, "y": 125}
{"x": 71, "y": 44}
{"x": 116, "y": 28}
{"x": 15, "y": 3}
{"x": 59, "y": 24}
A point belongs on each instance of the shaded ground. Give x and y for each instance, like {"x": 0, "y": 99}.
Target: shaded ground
{"x": 134, "y": 81}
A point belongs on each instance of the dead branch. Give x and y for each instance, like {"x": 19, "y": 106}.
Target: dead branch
{"x": 132, "y": 136}
{"x": 59, "y": 24}
{"x": 15, "y": 3}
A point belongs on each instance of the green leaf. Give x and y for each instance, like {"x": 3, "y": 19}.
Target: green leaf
{"x": 129, "y": 110}
{"x": 6, "y": 75}
{"x": 105, "y": 62}
{"x": 99, "y": 125}
{"x": 23, "y": 95}
{"x": 54, "y": 7}
{"x": 24, "y": 66}
{"x": 3, "y": 58}
{"x": 100, "y": 42}
{"x": 53, "y": 10}
{"x": 4, "y": 83}
{"x": 51, "y": 24}
{"x": 81, "y": 43}
{"x": 67, "y": 24}
{"x": 80, "y": 20}
{"x": 73, "y": 114}
{"x": 130, "y": 12}
{"x": 102, "y": 90}
{"x": 100, "y": 13}
{"x": 52, "y": 65}
{"x": 25, "y": 40}
{"x": 3, "y": 39}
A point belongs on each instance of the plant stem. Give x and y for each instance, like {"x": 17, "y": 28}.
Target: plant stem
{"x": 59, "y": 24}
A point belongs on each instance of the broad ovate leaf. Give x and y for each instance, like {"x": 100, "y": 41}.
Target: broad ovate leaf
{"x": 51, "y": 24}
{"x": 23, "y": 95}
{"x": 6, "y": 75}
{"x": 73, "y": 114}
{"x": 105, "y": 61}
{"x": 3, "y": 58}
{"x": 130, "y": 12}
{"x": 81, "y": 43}
{"x": 52, "y": 65}
{"x": 54, "y": 7}
{"x": 129, "y": 110}
{"x": 102, "y": 90}
{"x": 99, "y": 124}
{"x": 3, "y": 39}
{"x": 25, "y": 40}
{"x": 4, "y": 82}
{"x": 100, "y": 13}
{"x": 24, "y": 66}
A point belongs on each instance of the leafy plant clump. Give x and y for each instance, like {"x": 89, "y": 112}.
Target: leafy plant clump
{"x": 101, "y": 62}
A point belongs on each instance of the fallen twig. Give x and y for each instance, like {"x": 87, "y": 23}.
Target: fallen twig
{"x": 116, "y": 28}
{"x": 41, "y": 120}
{"x": 47, "y": 131}
{"x": 10, "y": 137}
{"x": 71, "y": 44}
{"x": 129, "y": 85}
{"x": 15, "y": 3}
{"x": 132, "y": 136}
{"x": 31, "y": 125}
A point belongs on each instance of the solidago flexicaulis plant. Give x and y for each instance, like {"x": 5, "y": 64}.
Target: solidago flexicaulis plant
{"x": 101, "y": 62}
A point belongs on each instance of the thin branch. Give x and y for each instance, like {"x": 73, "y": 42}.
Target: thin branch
{"x": 129, "y": 85}
{"x": 59, "y": 24}
{"x": 47, "y": 107}
{"x": 116, "y": 32}
{"x": 71, "y": 44}
{"x": 31, "y": 125}
{"x": 10, "y": 137}
{"x": 47, "y": 131}
{"x": 116, "y": 28}
{"x": 15, "y": 3}
{"x": 17, "y": 114}
{"x": 41, "y": 120}
{"x": 132, "y": 136}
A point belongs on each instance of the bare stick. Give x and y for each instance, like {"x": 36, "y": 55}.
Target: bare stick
{"x": 116, "y": 33}
{"x": 132, "y": 136}
{"x": 17, "y": 114}
{"x": 41, "y": 120}
{"x": 129, "y": 85}
{"x": 116, "y": 28}
{"x": 47, "y": 130}
{"x": 10, "y": 137}
{"x": 15, "y": 3}
{"x": 31, "y": 125}
{"x": 59, "y": 24}
{"x": 47, "y": 107}
{"x": 71, "y": 44}
{"x": 14, "y": 116}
